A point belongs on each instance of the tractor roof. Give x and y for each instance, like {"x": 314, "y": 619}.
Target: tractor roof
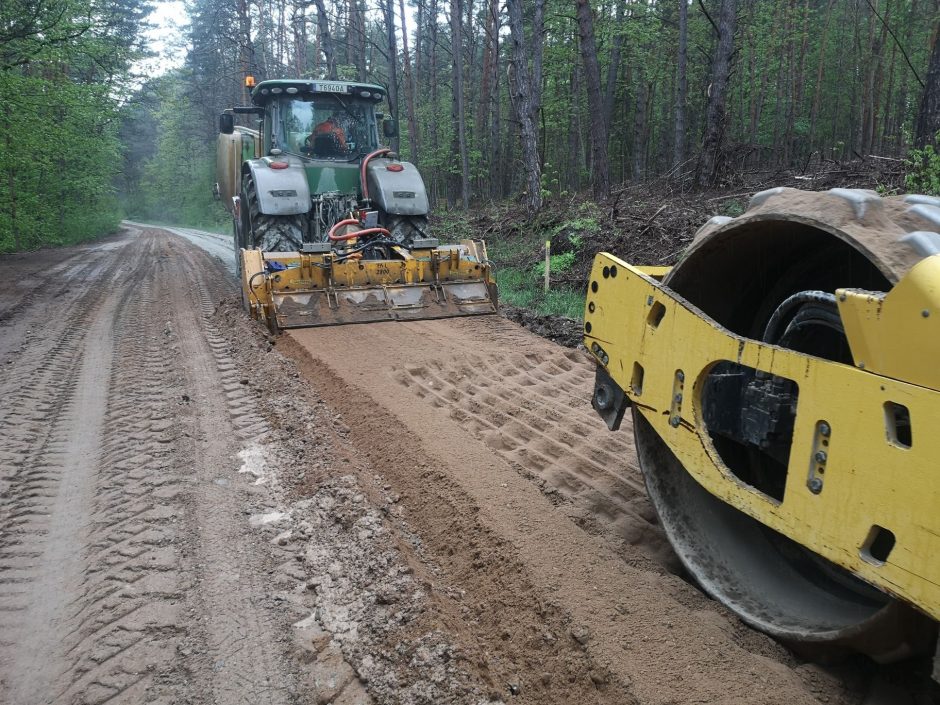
{"x": 266, "y": 90}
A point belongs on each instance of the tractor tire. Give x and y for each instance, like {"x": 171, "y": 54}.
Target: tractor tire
{"x": 237, "y": 245}
{"x": 269, "y": 233}
{"x": 406, "y": 228}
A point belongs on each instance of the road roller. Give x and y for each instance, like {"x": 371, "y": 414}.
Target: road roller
{"x": 783, "y": 381}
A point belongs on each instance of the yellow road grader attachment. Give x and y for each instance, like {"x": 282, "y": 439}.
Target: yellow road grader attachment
{"x": 303, "y": 289}
{"x": 784, "y": 381}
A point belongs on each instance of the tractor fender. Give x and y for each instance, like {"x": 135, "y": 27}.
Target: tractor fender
{"x": 280, "y": 191}
{"x": 397, "y": 192}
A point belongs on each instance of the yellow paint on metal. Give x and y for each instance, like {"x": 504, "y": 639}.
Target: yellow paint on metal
{"x": 322, "y": 289}
{"x": 897, "y": 334}
{"x": 655, "y": 272}
{"x": 870, "y": 480}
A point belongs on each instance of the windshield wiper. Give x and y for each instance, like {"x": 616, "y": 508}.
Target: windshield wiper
{"x": 346, "y": 108}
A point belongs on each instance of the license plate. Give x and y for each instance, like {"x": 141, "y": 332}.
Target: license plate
{"x": 330, "y": 88}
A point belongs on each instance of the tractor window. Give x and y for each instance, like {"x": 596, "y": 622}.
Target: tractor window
{"x": 327, "y": 127}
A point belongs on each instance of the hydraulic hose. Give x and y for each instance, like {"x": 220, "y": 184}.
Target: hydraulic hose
{"x": 332, "y": 234}
{"x": 360, "y": 233}
{"x": 353, "y": 235}
{"x": 362, "y": 170}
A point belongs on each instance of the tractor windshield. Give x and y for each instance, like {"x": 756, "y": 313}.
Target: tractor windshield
{"x": 333, "y": 127}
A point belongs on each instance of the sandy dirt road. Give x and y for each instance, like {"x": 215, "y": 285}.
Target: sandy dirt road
{"x": 192, "y": 511}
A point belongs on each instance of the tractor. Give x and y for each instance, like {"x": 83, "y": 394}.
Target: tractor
{"x": 329, "y": 226}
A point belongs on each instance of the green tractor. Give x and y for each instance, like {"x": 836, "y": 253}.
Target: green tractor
{"x": 306, "y": 166}
{"x": 329, "y": 226}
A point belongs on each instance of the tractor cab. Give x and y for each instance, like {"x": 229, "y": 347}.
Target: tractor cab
{"x": 333, "y": 121}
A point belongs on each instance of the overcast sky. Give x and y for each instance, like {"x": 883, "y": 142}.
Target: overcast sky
{"x": 166, "y": 40}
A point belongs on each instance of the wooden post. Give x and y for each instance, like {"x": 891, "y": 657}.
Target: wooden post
{"x": 548, "y": 263}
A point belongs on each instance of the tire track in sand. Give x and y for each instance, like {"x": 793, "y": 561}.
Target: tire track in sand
{"x": 245, "y": 640}
{"x": 49, "y": 493}
{"x": 127, "y": 619}
{"x": 254, "y": 650}
{"x": 533, "y": 585}
{"x": 530, "y": 411}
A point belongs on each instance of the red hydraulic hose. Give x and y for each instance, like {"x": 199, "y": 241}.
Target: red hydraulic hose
{"x": 334, "y": 237}
{"x": 362, "y": 170}
{"x": 356, "y": 233}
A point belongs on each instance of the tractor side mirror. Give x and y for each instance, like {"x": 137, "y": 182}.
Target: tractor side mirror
{"x": 226, "y": 123}
{"x": 389, "y": 127}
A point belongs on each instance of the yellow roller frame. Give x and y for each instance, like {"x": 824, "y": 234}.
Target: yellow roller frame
{"x": 659, "y": 349}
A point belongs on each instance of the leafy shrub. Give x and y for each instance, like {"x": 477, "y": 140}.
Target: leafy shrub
{"x": 923, "y": 171}
{"x": 733, "y": 208}
{"x": 559, "y": 263}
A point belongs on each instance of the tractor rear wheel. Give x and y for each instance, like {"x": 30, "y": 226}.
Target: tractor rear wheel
{"x": 406, "y": 228}
{"x": 269, "y": 233}
{"x": 235, "y": 247}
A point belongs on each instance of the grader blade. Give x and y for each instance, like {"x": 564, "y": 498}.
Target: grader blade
{"x": 328, "y": 288}
{"x": 330, "y": 307}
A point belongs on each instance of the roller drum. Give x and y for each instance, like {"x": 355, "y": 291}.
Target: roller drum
{"x": 738, "y": 272}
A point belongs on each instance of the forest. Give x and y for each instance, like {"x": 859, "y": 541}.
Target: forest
{"x": 498, "y": 101}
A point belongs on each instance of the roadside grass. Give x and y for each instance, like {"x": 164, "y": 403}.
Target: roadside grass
{"x": 520, "y": 272}
{"x": 523, "y": 288}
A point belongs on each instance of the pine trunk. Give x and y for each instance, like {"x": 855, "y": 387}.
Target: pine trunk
{"x": 326, "y": 40}
{"x": 525, "y": 96}
{"x": 679, "y": 142}
{"x": 600, "y": 165}
{"x": 459, "y": 112}
{"x": 410, "y": 89}
{"x": 710, "y": 158}
{"x": 928, "y": 116}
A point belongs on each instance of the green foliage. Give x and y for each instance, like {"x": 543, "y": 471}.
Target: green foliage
{"x": 519, "y": 287}
{"x": 884, "y": 190}
{"x": 559, "y": 264}
{"x": 454, "y": 226}
{"x": 169, "y": 162}
{"x": 585, "y": 222}
{"x": 923, "y": 171}
{"x": 63, "y": 64}
{"x": 733, "y": 208}
{"x": 58, "y": 154}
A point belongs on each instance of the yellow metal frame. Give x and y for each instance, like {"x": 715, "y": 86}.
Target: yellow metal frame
{"x": 898, "y": 334}
{"x": 869, "y": 478}
{"x": 431, "y": 269}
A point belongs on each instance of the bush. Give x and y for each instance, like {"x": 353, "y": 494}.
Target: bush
{"x": 559, "y": 263}
{"x": 923, "y": 171}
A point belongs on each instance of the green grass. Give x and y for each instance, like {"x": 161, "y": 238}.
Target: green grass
{"x": 523, "y": 288}
{"x": 558, "y": 264}
{"x": 519, "y": 259}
